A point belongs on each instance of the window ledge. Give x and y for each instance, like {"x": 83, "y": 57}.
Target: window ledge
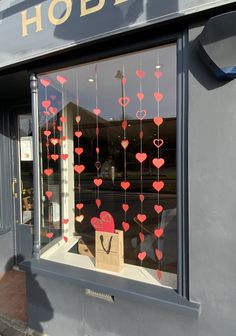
{"x": 109, "y": 284}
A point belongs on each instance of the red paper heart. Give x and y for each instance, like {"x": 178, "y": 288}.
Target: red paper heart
{"x": 142, "y": 255}
{"x": 159, "y": 254}
{"x": 98, "y": 165}
{"x": 65, "y": 221}
{"x": 141, "y": 197}
{"x": 125, "y": 207}
{"x": 125, "y": 185}
{"x": 65, "y": 239}
{"x": 64, "y": 156}
{"x": 45, "y": 82}
{"x": 142, "y": 217}
{"x": 158, "y": 74}
{"x": 105, "y": 223}
{"x": 125, "y": 143}
{"x": 123, "y": 80}
{"x": 124, "y": 101}
{"x": 48, "y": 194}
{"x": 140, "y": 73}
{"x": 97, "y": 150}
{"x": 158, "y": 208}
{"x": 140, "y": 96}
{"x": 158, "y": 96}
{"x": 47, "y": 133}
{"x": 158, "y": 121}
{"x": 63, "y": 119}
{"x": 79, "y": 206}
{"x": 53, "y": 110}
{"x": 158, "y": 142}
{"x": 46, "y": 103}
{"x": 158, "y": 185}
{"x": 158, "y": 163}
{"x": 97, "y": 182}
{"x": 141, "y": 237}
{"x": 79, "y": 168}
{"x": 97, "y": 131}
{"x": 78, "y": 134}
{"x": 54, "y": 141}
{"x": 59, "y": 128}
{"x": 124, "y": 124}
{"x": 158, "y": 232}
{"x": 96, "y": 111}
{"x": 49, "y": 235}
{"x": 141, "y": 114}
{"x": 63, "y": 138}
{"x": 141, "y": 157}
{"x": 125, "y": 226}
{"x": 141, "y": 134}
{"x": 159, "y": 274}
{"x": 62, "y": 79}
{"x": 55, "y": 157}
{"x": 79, "y": 150}
{"x": 48, "y": 171}
{"x": 78, "y": 118}
{"x": 98, "y": 202}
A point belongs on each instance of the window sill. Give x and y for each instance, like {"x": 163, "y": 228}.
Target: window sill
{"x": 113, "y": 285}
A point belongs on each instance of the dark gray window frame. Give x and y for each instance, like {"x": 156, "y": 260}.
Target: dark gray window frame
{"x": 130, "y": 289}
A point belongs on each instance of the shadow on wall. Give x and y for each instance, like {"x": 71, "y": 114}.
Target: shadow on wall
{"x": 16, "y": 284}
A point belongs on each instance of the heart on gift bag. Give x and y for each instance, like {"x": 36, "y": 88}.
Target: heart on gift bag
{"x": 105, "y": 223}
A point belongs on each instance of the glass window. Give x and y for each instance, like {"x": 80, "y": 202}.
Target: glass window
{"x": 108, "y": 162}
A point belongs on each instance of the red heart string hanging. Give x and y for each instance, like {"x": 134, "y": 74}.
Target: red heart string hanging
{"x": 125, "y": 226}
{"x": 45, "y": 82}
{"x": 124, "y": 101}
{"x": 79, "y": 206}
{"x": 142, "y": 255}
{"x": 141, "y": 157}
{"x": 158, "y": 208}
{"x": 46, "y": 103}
{"x": 62, "y": 79}
{"x": 125, "y": 185}
{"x": 140, "y": 73}
{"x": 79, "y": 150}
{"x": 48, "y": 194}
{"x": 158, "y": 185}
{"x": 158, "y": 163}
{"x": 158, "y": 232}
{"x": 158, "y": 96}
{"x": 158, "y": 142}
{"x": 141, "y": 237}
{"x": 159, "y": 254}
{"x": 48, "y": 171}
{"x": 79, "y": 168}
{"x": 158, "y": 121}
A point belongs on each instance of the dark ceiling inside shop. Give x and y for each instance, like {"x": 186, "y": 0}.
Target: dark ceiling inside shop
{"x": 15, "y": 88}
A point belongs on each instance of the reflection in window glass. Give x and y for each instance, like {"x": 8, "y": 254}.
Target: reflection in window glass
{"x": 108, "y": 132}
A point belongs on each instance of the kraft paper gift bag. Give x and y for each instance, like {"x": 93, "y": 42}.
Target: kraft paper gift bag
{"x": 109, "y": 250}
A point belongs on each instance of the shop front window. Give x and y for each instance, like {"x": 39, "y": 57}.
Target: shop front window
{"x": 108, "y": 165}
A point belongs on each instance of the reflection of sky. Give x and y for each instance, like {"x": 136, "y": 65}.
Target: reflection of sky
{"x": 109, "y": 87}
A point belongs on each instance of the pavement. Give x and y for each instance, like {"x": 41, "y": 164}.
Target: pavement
{"x": 12, "y": 327}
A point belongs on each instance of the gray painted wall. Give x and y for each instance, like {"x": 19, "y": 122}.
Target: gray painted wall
{"x": 65, "y": 310}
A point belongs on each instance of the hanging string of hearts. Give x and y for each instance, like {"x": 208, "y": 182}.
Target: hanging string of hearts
{"x": 62, "y": 80}
{"x": 97, "y": 111}
{"x": 141, "y": 157}
{"x": 158, "y": 162}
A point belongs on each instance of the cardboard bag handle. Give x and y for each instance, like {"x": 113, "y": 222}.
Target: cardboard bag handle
{"x": 108, "y": 250}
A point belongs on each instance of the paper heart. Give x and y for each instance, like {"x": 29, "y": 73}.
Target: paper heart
{"x": 53, "y": 97}
{"x": 125, "y": 226}
{"x": 97, "y": 182}
{"x": 98, "y": 202}
{"x": 158, "y": 185}
{"x": 105, "y": 223}
{"x": 125, "y": 143}
{"x": 158, "y": 96}
{"x": 141, "y": 157}
{"x": 158, "y": 232}
{"x": 97, "y": 150}
{"x": 78, "y": 134}
{"x": 140, "y": 96}
{"x": 96, "y": 111}
{"x": 63, "y": 138}
{"x": 140, "y": 73}
{"x": 64, "y": 156}
{"x": 158, "y": 142}
{"x": 97, "y": 131}
{"x": 124, "y": 101}
{"x": 79, "y": 150}
{"x": 141, "y": 114}
{"x": 46, "y": 113}
{"x": 45, "y": 82}
{"x": 142, "y": 255}
{"x": 65, "y": 221}
{"x": 158, "y": 74}
{"x": 158, "y": 208}
{"x": 46, "y": 103}
{"x": 79, "y": 206}
{"x": 53, "y": 110}
{"x": 98, "y": 165}
{"x": 158, "y": 162}
{"x": 159, "y": 254}
{"x": 59, "y": 128}
{"x": 123, "y": 80}
{"x": 62, "y": 79}
{"x": 78, "y": 118}
{"x": 141, "y": 134}
{"x": 141, "y": 197}
{"x": 79, "y": 168}
{"x": 65, "y": 239}
{"x": 63, "y": 119}
{"x": 158, "y": 121}
{"x": 47, "y": 144}
{"x": 142, "y": 217}
{"x": 79, "y": 218}
{"x": 141, "y": 237}
{"x": 125, "y": 207}
{"x": 48, "y": 171}
{"x": 48, "y": 194}
{"x": 54, "y": 141}
{"x": 47, "y": 133}
{"x": 159, "y": 274}
{"x": 49, "y": 235}
{"x": 55, "y": 157}
{"x": 125, "y": 185}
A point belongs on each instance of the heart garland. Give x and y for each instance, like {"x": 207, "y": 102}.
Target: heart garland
{"x": 97, "y": 111}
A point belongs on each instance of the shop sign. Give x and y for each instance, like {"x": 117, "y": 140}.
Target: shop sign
{"x": 33, "y": 28}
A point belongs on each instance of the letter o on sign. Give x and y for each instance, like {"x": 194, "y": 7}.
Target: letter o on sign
{"x": 66, "y": 15}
